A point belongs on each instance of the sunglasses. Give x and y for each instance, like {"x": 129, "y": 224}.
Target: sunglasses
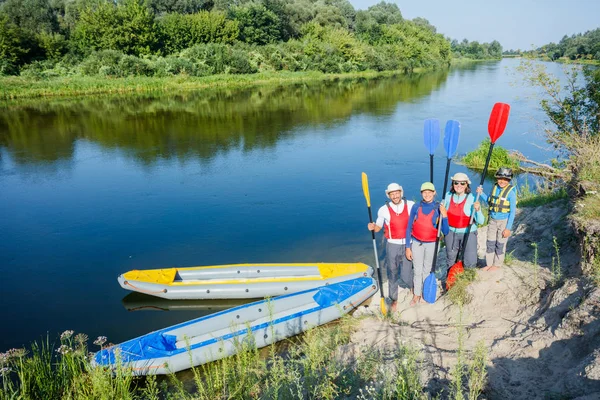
{"x": 459, "y": 183}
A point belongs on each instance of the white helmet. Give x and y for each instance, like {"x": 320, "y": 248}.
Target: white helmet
{"x": 461, "y": 177}
{"x": 392, "y": 187}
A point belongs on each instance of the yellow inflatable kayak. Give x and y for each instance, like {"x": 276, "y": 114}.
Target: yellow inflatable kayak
{"x": 239, "y": 281}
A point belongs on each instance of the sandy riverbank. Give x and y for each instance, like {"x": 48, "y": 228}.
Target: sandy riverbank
{"x": 542, "y": 337}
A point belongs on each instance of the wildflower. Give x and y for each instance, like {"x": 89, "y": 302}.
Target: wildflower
{"x": 4, "y": 371}
{"x": 66, "y": 335}
{"x": 100, "y": 340}
{"x": 81, "y": 338}
{"x": 64, "y": 349}
{"x": 16, "y": 353}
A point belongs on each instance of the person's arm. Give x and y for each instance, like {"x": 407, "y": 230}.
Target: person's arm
{"x": 411, "y": 218}
{"x": 482, "y": 196}
{"x": 479, "y": 217}
{"x": 378, "y": 225}
{"x": 444, "y": 219}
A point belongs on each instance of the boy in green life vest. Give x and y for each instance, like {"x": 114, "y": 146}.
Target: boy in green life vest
{"x": 502, "y": 203}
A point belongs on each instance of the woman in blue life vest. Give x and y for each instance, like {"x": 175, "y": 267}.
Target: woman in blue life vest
{"x": 393, "y": 219}
{"x": 460, "y": 203}
{"x": 502, "y": 203}
{"x": 421, "y": 235}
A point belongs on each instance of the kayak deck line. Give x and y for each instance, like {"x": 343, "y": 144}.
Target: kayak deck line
{"x": 245, "y": 271}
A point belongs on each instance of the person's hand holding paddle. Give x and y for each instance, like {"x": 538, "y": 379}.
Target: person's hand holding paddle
{"x": 408, "y": 253}
{"x": 505, "y": 233}
{"x": 443, "y": 211}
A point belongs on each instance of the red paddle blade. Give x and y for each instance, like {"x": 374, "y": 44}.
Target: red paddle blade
{"x": 498, "y": 120}
{"x": 454, "y": 271}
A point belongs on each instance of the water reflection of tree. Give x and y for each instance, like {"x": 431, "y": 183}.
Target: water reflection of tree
{"x": 198, "y": 124}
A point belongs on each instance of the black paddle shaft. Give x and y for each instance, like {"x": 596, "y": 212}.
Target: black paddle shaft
{"x": 437, "y": 239}
{"x": 431, "y": 168}
{"x": 376, "y": 255}
{"x": 461, "y": 254}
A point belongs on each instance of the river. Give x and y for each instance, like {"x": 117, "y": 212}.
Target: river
{"x": 93, "y": 187}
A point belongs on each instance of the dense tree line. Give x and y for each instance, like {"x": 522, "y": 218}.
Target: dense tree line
{"x": 475, "y": 50}
{"x": 202, "y": 37}
{"x": 582, "y": 46}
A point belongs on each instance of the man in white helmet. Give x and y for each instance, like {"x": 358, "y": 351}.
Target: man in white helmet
{"x": 393, "y": 219}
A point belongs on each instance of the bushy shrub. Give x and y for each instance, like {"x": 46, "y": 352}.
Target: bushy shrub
{"x": 134, "y": 66}
{"x": 105, "y": 60}
{"x": 171, "y": 65}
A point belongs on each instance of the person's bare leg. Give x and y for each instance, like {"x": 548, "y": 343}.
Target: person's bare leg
{"x": 415, "y": 300}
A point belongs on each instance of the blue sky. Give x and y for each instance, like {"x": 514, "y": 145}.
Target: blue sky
{"x": 514, "y": 23}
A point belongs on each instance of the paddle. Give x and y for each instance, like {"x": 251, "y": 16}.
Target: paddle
{"x": 496, "y": 126}
{"x": 365, "y": 186}
{"x": 451, "y": 135}
{"x": 431, "y": 135}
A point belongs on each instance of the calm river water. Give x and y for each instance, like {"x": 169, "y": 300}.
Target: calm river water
{"x": 94, "y": 187}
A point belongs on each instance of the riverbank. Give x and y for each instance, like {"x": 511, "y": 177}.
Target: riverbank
{"x": 538, "y": 318}
{"x": 15, "y": 88}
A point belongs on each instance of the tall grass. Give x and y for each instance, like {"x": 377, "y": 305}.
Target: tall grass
{"x": 459, "y": 293}
{"x": 61, "y": 371}
{"x": 310, "y": 368}
{"x": 556, "y": 265}
{"x": 540, "y": 195}
{"x": 536, "y": 266}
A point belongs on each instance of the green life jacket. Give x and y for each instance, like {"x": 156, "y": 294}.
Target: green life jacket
{"x": 499, "y": 202}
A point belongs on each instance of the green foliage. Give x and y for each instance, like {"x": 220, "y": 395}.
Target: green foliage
{"x": 477, "y": 51}
{"x": 328, "y": 36}
{"x": 385, "y": 13}
{"x": 182, "y": 31}
{"x": 12, "y": 49}
{"x": 128, "y": 27}
{"x": 458, "y": 293}
{"x": 500, "y": 158}
{"x": 580, "y": 46}
{"x": 33, "y": 16}
{"x": 161, "y": 7}
{"x": 257, "y": 24}
{"x": 529, "y": 197}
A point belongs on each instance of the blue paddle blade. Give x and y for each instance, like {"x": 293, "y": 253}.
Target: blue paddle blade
{"x": 431, "y": 134}
{"x": 451, "y": 134}
{"x": 430, "y": 288}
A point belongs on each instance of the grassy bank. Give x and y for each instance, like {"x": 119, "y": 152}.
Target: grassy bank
{"x": 320, "y": 364}
{"x": 311, "y": 367}
{"x": 18, "y": 87}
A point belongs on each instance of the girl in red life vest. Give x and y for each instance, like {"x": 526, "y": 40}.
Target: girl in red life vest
{"x": 421, "y": 234}
{"x": 393, "y": 219}
{"x": 460, "y": 203}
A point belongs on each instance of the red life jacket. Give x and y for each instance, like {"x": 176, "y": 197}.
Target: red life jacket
{"x": 423, "y": 229}
{"x": 456, "y": 214}
{"x": 398, "y": 223}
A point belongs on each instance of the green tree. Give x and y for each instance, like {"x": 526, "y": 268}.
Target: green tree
{"x": 128, "y": 26}
{"x": 182, "y": 31}
{"x": 386, "y": 13}
{"x": 12, "y": 50}
{"x": 257, "y": 24}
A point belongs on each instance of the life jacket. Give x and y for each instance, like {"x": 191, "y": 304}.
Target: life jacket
{"x": 499, "y": 202}
{"x": 398, "y": 223}
{"x": 423, "y": 229}
{"x": 456, "y": 214}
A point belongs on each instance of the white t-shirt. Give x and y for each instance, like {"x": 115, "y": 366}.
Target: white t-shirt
{"x": 383, "y": 215}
